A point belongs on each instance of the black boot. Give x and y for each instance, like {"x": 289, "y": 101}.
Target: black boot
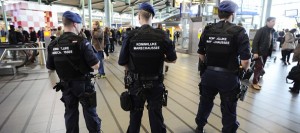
{"x": 293, "y": 90}
{"x": 199, "y": 130}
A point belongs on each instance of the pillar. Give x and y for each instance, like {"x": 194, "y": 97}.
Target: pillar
{"x": 107, "y": 13}
{"x": 132, "y": 16}
{"x": 268, "y": 8}
{"x": 160, "y": 16}
{"x": 4, "y": 16}
{"x": 206, "y": 8}
{"x": 266, "y": 11}
{"x": 121, "y": 20}
{"x": 83, "y": 13}
{"x": 184, "y": 43}
{"x": 90, "y": 14}
{"x": 112, "y": 13}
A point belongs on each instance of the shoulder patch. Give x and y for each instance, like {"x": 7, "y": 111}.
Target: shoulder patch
{"x": 87, "y": 43}
{"x": 209, "y": 25}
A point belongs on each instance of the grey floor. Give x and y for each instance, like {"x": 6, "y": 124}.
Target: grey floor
{"x": 28, "y": 103}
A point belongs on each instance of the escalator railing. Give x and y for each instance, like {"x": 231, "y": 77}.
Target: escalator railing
{"x": 20, "y": 55}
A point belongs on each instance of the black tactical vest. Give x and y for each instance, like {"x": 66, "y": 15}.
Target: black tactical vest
{"x": 70, "y": 45}
{"x": 146, "y": 52}
{"x": 221, "y": 45}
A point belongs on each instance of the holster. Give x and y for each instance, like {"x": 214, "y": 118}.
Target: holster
{"x": 202, "y": 67}
{"x": 128, "y": 80}
{"x": 241, "y": 73}
{"x": 200, "y": 88}
{"x": 243, "y": 92}
{"x": 165, "y": 98}
{"x": 88, "y": 99}
{"x": 247, "y": 74}
{"x": 125, "y": 101}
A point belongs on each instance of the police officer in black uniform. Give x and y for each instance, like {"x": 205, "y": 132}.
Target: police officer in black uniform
{"x": 143, "y": 53}
{"x": 73, "y": 58}
{"x": 222, "y": 47}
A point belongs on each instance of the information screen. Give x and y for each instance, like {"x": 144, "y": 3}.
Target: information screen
{"x": 291, "y": 13}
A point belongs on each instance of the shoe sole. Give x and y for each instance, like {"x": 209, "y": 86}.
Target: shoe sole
{"x": 255, "y": 88}
{"x": 260, "y": 85}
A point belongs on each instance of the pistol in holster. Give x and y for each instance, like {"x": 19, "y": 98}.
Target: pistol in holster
{"x": 243, "y": 92}
{"x": 241, "y": 73}
{"x": 88, "y": 99}
{"x": 165, "y": 97}
{"x": 128, "y": 80}
{"x": 202, "y": 67}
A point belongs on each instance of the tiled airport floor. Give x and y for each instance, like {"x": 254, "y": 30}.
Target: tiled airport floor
{"x": 29, "y": 105}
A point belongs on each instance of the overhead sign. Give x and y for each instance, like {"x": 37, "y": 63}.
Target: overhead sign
{"x": 291, "y": 13}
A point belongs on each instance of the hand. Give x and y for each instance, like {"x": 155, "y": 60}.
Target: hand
{"x": 255, "y": 56}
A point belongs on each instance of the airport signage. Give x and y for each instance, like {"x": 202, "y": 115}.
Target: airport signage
{"x": 291, "y": 13}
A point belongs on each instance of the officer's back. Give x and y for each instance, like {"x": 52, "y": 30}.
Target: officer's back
{"x": 73, "y": 58}
{"x": 147, "y": 46}
{"x": 143, "y": 53}
{"x": 222, "y": 47}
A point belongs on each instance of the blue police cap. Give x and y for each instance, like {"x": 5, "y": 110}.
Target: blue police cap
{"x": 147, "y": 7}
{"x": 72, "y": 16}
{"x": 228, "y": 6}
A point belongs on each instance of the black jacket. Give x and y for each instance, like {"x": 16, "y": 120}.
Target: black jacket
{"x": 26, "y": 35}
{"x": 12, "y": 37}
{"x": 15, "y": 37}
{"x": 88, "y": 35}
{"x": 261, "y": 41}
{"x": 33, "y": 37}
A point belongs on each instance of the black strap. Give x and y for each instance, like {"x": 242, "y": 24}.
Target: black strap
{"x": 68, "y": 58}
{"x": 130, "y": 55}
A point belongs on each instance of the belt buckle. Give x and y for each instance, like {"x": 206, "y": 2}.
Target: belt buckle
{"x": 135, "y": 76}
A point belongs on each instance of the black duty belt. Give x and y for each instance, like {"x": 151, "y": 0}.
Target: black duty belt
{"x": 220, "y": 69}
{"x": 149, "y": 77}
{"x": 84, "y": 78}
{"x": 145, "y": 77}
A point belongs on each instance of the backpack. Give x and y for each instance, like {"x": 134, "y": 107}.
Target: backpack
{"x": 294, "y": 74}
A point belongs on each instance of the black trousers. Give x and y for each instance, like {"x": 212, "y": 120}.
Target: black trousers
{"x": 71, "y": 97}
{"x": 227, "y": 87}
{"x": 106, "y": 49}
{"x": 286, "y": 55}
{"x": 153, "y": 96}
{"x": 112, "y": 45}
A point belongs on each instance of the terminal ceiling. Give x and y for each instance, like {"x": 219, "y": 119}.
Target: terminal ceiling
{"x": 119, "y": 5}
